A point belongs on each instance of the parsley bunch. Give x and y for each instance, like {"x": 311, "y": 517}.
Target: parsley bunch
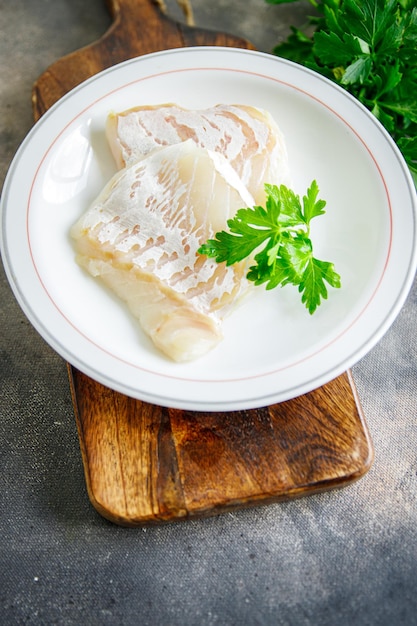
{"x": 283, "y": 229}
{"x": 369, "y": 47}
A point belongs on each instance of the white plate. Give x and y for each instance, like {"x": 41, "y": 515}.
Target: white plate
{"x": 273, "y": 349}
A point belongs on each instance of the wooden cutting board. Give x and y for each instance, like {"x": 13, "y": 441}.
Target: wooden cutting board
{"x": 144, "y": 463}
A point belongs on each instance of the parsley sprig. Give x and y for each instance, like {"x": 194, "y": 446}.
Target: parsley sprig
{"x": 283, "y": 229}
{"x": 369, "y": 48}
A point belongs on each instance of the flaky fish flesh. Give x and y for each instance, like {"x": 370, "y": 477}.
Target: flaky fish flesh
{"x": 141, "y": 237}
{"x": 248, "y": 137}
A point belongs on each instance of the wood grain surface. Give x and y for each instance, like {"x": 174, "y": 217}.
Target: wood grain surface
{"x": 146, "y": 464}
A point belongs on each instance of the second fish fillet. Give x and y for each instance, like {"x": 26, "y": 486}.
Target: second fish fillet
{"x": 248, "y": 137}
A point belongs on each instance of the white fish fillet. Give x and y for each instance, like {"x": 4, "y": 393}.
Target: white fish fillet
{"x": 141, "y": 238}
{"x": 247, "y": 136}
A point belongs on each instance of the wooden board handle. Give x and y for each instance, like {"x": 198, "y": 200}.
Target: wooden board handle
{"x": 139, "y": 27}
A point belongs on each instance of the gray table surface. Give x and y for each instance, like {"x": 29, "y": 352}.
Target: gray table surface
{"x": 345, "y": 557}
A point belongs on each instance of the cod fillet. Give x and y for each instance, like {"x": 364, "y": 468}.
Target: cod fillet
{"x": 141, "y": 236}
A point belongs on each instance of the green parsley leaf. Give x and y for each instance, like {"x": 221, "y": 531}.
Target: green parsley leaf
{"x": 408, "y": 146}
{"x": 313, "y": 284}
{"x": 279, "y": 238}
{"x": 358, "y": 71}
{"x": 312, "y": 206}
{"x": 298, "y": 47}
{"x": 335, "y": 50}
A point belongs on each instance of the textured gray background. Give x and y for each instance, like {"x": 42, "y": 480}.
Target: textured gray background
{"x": 346, "y": 557}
